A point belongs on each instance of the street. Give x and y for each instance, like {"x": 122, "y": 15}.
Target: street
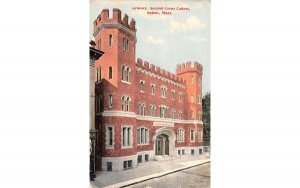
{"x": 195, "y": 177}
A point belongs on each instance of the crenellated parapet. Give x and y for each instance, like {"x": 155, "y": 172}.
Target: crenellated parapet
{"x": 104, "y": 19}
{"x": 189, "y": 67}
{"x": 145, "y": 65}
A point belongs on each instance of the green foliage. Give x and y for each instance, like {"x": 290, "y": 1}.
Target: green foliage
{"x": 206, "y": 117}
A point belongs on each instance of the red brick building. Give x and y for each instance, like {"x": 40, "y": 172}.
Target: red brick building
{"x": 143, "y": 112}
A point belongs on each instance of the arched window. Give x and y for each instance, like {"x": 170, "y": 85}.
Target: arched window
{"x": 142, "y": 85}
{"x": 125, "y": 73}
{"x": 163, "y": 112}
{"x": 172, "y": 113}
{"x": 142, "y": 107}
{"x": 152, "y": 110}
{"x": 152, "y": 89}
{"x": 125, "y": 103}
{"x": 163, "y": 90}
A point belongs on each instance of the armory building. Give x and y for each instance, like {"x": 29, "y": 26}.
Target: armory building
{"x": 142, "y": 112}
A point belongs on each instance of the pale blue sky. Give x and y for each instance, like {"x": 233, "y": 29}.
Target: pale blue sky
{"x": 167, "y": 40}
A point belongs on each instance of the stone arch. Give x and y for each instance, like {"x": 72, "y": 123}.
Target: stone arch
{"x": 171, "y": 138}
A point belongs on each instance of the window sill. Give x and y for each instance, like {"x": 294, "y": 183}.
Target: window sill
{"x": 125, "y": 82}
{"x": 126, "y": 147}
{"x": 109, "y": 147}
{"x": 143, "y": 144}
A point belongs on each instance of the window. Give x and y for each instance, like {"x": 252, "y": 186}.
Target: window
{"x": 142, "y": 86}
{"x": 180, "y": 115}
{"x": 152, "y": 89}
{"x": 143, "y": 135}
{"x": 183, "y": 152}
{"x": 180, "y": 135}
{"x": 110, "y": 40}
{"x": 192, "y": 99}
{"x": 142, "y": 108}
{"x": 179, "y": 152}
{"x": 139, "y": 159}
{"x": 152, "y": 110}
{"x": 98, "y": 75}
{"x": 109, "y": 137}
{"x": 199, "y": 116}
{"x": 180, "y": 97}
{"x": 200, "y": 135}
{"x": 125, "y": 44}
{"x": 126, "y": 136}
{"x": 125, "y": 73}
{"x": 125, "y": 103}
{"x": 192, "y": 152}
{"x": 192, "y": 79}
{"x": 110, "y": 72}
{"x": 98, "y": 104}
{"x": 147, "y": 157}
{"x": 200, "y": 151}
{"x": 99, "y": 44}
{"x": 109, "y": 166}
{"x": 199, "y": 99}
{"x": 163, "y": 91}
{"x": 163, "y": 112}
{"x": 127, "y": 164}
{"x": 173, "y": 113}
{"x": 110, "y": 100}
{"x": 173, "y": 95}
{"x": 192, "y": 135}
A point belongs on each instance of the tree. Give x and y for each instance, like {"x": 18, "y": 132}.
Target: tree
{"x": 206, "y": 118}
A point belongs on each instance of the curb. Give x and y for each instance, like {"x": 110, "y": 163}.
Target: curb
{"x": 149, "y": 177}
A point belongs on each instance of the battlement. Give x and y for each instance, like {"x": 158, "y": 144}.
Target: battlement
{"x": 116, "y": 18}
{"x": 189, "y": 67}
{"x": 157, "y": 70}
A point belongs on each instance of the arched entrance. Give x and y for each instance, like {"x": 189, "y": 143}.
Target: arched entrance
{"x": 164, "y": 142}
{"x": 162, "y": 145}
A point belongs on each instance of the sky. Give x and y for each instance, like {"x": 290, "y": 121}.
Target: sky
{"x": 167, "y": 40}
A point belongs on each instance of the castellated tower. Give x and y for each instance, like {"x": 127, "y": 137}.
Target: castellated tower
{"x": 191, "y": 72}
{"x": 115, "y": 73}
{"x": 115, "y": 36}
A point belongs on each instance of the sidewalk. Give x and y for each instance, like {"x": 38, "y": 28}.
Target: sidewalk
{"x": 145, "y": 171}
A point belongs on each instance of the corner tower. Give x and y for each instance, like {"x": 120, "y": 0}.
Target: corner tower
{"x": 191, "y": 72}
{"x": 116, "y": 36}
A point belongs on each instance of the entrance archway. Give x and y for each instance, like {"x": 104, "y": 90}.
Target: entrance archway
{"x": 162, "y": 145}
{"x": 164, "y": 142}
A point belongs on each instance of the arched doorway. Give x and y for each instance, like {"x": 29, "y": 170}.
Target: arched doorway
{"x": 162, "y": 145}
{"x": 164, "y": 142}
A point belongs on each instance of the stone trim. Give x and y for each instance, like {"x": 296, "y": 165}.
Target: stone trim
{"x": 147, "y": 118}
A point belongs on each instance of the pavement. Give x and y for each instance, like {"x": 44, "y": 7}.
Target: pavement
{"x": 146, "y": 171}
